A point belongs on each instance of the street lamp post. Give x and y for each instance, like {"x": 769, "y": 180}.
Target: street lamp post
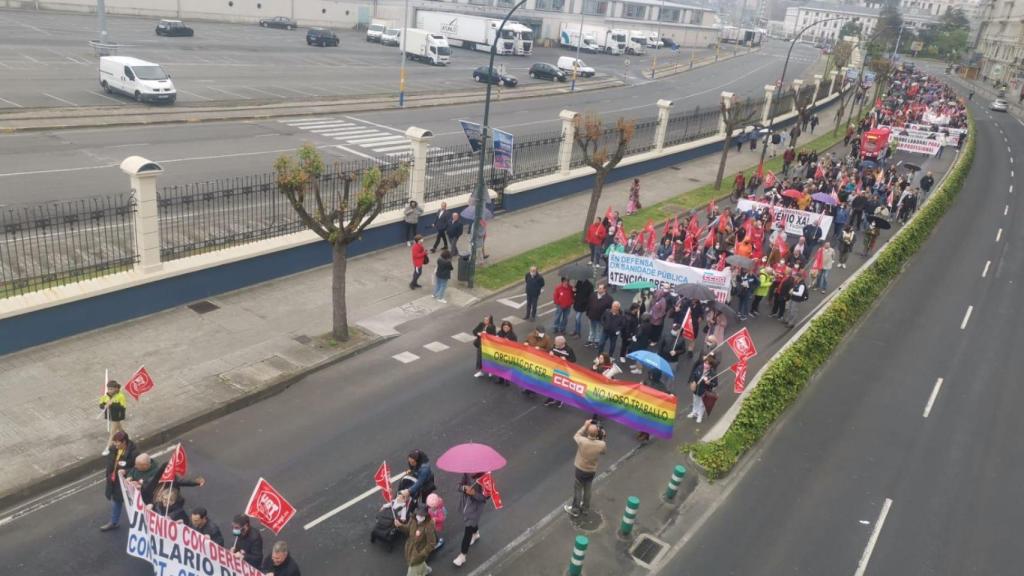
{"x": 654, "y": 57}
{"x": 579, "y": 43}
{"x": 401, "y": 69}
{"x": 782, "y": 78}
{"x": 481, "y": 189}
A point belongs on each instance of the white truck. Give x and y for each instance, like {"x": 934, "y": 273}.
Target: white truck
{"x": 478, "y": 32}
{"x": 636, "y": 42}
{"x": 610, "y": 41}
{"x": 570, "y": 37}
{"x": 427, "y": 47}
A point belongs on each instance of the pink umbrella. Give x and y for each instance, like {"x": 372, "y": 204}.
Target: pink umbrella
{"x": 471, "y": 458}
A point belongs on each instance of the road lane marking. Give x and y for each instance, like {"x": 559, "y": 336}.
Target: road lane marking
{"x": 999, "y": 234}
{"x": 1011, "y": 188}
{"x": 350, "y": 503}
{"x": 375, "y": 124}
{"x": 866, "y": 557}
{"x": 104, "y": 96}
{"x": 464, "y": 337}
{"x": 59, "y": 99}
{"x": 351, "y": 151}
{"x": 931, "y": 399}
{"x": 985, "y": 271}
{"x": 436, "y": 346}
{"x": 1006, "y": 210}
{"x": 406, "y": 357}
{"x": 11, "y": 103}
{"x": 194, "y": 94}
{"x": 967, "y": 317}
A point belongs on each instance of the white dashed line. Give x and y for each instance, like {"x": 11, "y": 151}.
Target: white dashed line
{"x": 436, "y": 347}
{"x": 866, "y": 557}
{"x": 351, "y": 151}
{"x": 463, "y": 337}
{"x": 1011, "y": 157}
{"x": 1011, "y": 188}
{"x": 11, "y": 103}
{"x": 931, "y": 399}
{"x": 999, "y": 234}
{"x": 350, "y": 503}
{"x": 59, "y": 99}
{"x": 967, "y": 317}
{"x": 984, "y": 272}
{"x": 1006, "y": 210}
{"x": 406, "y": 357}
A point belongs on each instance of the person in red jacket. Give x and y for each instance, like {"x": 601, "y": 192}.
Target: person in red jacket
{"x": 739, "y": 184}
{"x": 564, "y": 298}
{"x": 595, "y": 238}
{"x": 419, "y": 258}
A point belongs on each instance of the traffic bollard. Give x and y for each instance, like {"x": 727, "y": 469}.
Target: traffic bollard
{"x": 673, "y": 483}
{"x": 578, "y": 552}
{"x": 629, "y": 516}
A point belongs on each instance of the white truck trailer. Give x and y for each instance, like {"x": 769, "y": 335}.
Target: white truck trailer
{"x": 569, "y": 37}
{"x": 478, "y": 32}
{"x": 427, "y": 47}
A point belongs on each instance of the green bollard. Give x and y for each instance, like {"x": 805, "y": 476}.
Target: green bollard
{"x": 629, "y": 516}
{"x": 578, "y": 552}
{"x": 673, "y": 483}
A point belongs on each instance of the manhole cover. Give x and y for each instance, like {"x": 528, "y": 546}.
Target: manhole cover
{"x": 203, "y": 306}
{"x": 303, "y": 339}
{"x": 647, "y": 550}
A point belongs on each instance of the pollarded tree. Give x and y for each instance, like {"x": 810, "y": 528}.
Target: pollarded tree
{"x": 735, "y": 116}
{"x": 339, "y": 218}
{"x": 589, "y": 135}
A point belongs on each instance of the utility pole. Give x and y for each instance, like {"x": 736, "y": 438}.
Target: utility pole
{"x": 579, "y": 43}
{"x": 401, "y": 69}
{"x": 101, "y": 20}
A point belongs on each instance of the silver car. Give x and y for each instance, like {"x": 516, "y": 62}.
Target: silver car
{"x": 999, "y": 105}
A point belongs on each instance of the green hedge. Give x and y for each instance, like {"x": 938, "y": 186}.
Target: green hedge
{"x": 571, "y": 248}
{"x": 789, "y": 372}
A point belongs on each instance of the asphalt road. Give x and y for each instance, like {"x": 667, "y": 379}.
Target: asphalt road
{"x": 46, "y": 61}
{"x": 877, "y": 425}
{"x": 64, "y": 164}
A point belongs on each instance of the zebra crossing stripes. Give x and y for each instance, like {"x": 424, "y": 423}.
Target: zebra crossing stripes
{"x": 354, "y": 133}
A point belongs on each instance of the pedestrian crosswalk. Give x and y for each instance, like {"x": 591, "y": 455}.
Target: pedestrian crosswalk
{"x": 355, "y": 133}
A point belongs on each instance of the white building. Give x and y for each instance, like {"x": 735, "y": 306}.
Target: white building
{"x": 807, "y": 13}
{"x": 1001, "y": 41}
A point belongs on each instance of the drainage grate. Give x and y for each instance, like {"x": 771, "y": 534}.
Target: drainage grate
{"x": 646, "y": 550}
{"x": 303, "y": 339}
{"x": 676, "y": 168}
{"x": 203, "y": 306}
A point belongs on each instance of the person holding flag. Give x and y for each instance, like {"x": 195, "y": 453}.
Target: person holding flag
{"x": 248, "y": 545}
{"x": 114, "y": 407}
{"x": 121, "y": 459}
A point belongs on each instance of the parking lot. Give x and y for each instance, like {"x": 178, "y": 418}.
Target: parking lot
{"x": 46, "y": 61}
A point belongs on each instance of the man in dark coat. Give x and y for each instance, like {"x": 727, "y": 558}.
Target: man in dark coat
{"x": 248, "y": 544}
{"x": 280, "y": 562}
{"x": 120, "y": 459}
{"x": 440, "y": 224}
{"x": 579, "y": 305}
{"x": 455, "y": 232}
{"x": 200, "y": 521}
{"x": 599, "y": 301}
{"x": 534, "y": 285}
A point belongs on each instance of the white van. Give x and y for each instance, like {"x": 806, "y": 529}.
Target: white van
{"x": 141, "y": 80}
{"x": 567, "y": 63}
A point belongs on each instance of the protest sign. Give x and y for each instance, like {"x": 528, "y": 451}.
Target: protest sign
{"x": 794, "y": 219}
{"x": 173, "y": 548}
{"x": 626, "y": 268}
{"x": 629, "y": 403}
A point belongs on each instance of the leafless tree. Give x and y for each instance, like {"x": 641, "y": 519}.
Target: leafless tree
{"x": 590, "y": 137}
{"x": 736, "y": 116}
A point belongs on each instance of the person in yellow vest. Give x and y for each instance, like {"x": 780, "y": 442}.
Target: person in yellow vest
{"x": 114, "y": 406}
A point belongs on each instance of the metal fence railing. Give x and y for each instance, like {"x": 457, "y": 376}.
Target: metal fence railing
{"x": 452, "y": 171}
{"x": 535, "y": 155}
{"x": 204, "y": 216}
{"x": 782, "y": 104}
{"x": 53, "y": 243}
{"x": 690, "y": 126}
{"x": 644, "y": 132}
{"x": 749, "y": 110}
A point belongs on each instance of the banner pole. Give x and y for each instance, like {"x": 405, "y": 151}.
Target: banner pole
{"x": 106, "y": 378}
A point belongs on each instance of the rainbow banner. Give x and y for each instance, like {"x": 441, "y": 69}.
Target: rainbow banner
{"x": 629, "y": 403}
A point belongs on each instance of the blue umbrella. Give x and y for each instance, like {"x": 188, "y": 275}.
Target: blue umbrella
{"x": 652, "y": 360}
{"x": 824, "y": 198}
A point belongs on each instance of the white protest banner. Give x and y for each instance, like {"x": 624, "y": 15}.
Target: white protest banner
{"x": 173, "y": 548}
{"x": 795, "y": 220}
{"x": 909, "y": 143}
{"x": 626, "y": 268}
{"x": 944, "y": 139}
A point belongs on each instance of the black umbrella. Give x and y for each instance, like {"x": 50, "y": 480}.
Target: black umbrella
{"x": 740, "y": 261}
{"x": 879, "y": 222}
{"x": 695, "y": 292}
{"x": 577, "y": 271}
{"x": 725, "y": 309}
{"x": 911, "y": 167}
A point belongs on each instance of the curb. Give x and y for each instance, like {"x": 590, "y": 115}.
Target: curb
{"x": 12, "y": 500}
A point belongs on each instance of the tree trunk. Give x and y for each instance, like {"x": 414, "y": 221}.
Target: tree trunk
{"x": 595, "y": 199}
{"x": 339, "y": 267}
{"x": 725, "y": 155}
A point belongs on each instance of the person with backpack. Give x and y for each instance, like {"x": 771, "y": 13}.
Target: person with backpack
{"x": 797, "y": 295}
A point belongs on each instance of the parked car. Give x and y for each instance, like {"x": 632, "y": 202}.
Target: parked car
{"x": 173, "y": 28}
{"x": 279, "y": 22}
{"x": 391, "y": 37}
{"x": 321, "y": 37}
{"x": 492, "y": 76}
{"x": 567, "y": 63}
{"x": 545, "y": 71}
{"x": 999, "y": 105}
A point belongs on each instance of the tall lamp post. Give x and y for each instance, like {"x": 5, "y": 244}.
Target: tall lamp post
{"x": 401, "y": 69}
{"x": 579, "y": 43}
{"x": 782, "y": 78}
{"x": 481, "y": 189}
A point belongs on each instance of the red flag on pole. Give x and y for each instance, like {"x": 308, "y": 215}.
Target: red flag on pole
{"x": 688, "y": 332}
{"x": 620, "y": 234}
{"x": 740, "y": 369}
{"x": 609, "y": 214}
{"x": 742, "y": 344}
{"x": 666, "y": 230}
{"x": 268, "y": 506}
{"x": 760, "y": 170}
{"x": 382, "y": 478}
{"x": 489, "y": 489}
{"x": 177, "y": 466}
{"x": 818, "y": 260}
{"x": 693, "y": 226}
{"x": 140, "y": 383}
{"x": 651, "y": 235}
{"x": 675, "y": 225}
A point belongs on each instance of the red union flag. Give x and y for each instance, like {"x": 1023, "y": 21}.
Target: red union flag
{"x": 140, "y": 383}
{"x": 382, "y": 478}
{"x": 269, "y": 507}
{"x": 177, "y": 466}
{"x": 740, "y": 369}
{"x": 742, "y": 345}
{"x": 688, "y": 332}
{"x": 487, "y": 483}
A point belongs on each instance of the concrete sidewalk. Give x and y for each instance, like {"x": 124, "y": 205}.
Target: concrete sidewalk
{"x": 253, "y": 342}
